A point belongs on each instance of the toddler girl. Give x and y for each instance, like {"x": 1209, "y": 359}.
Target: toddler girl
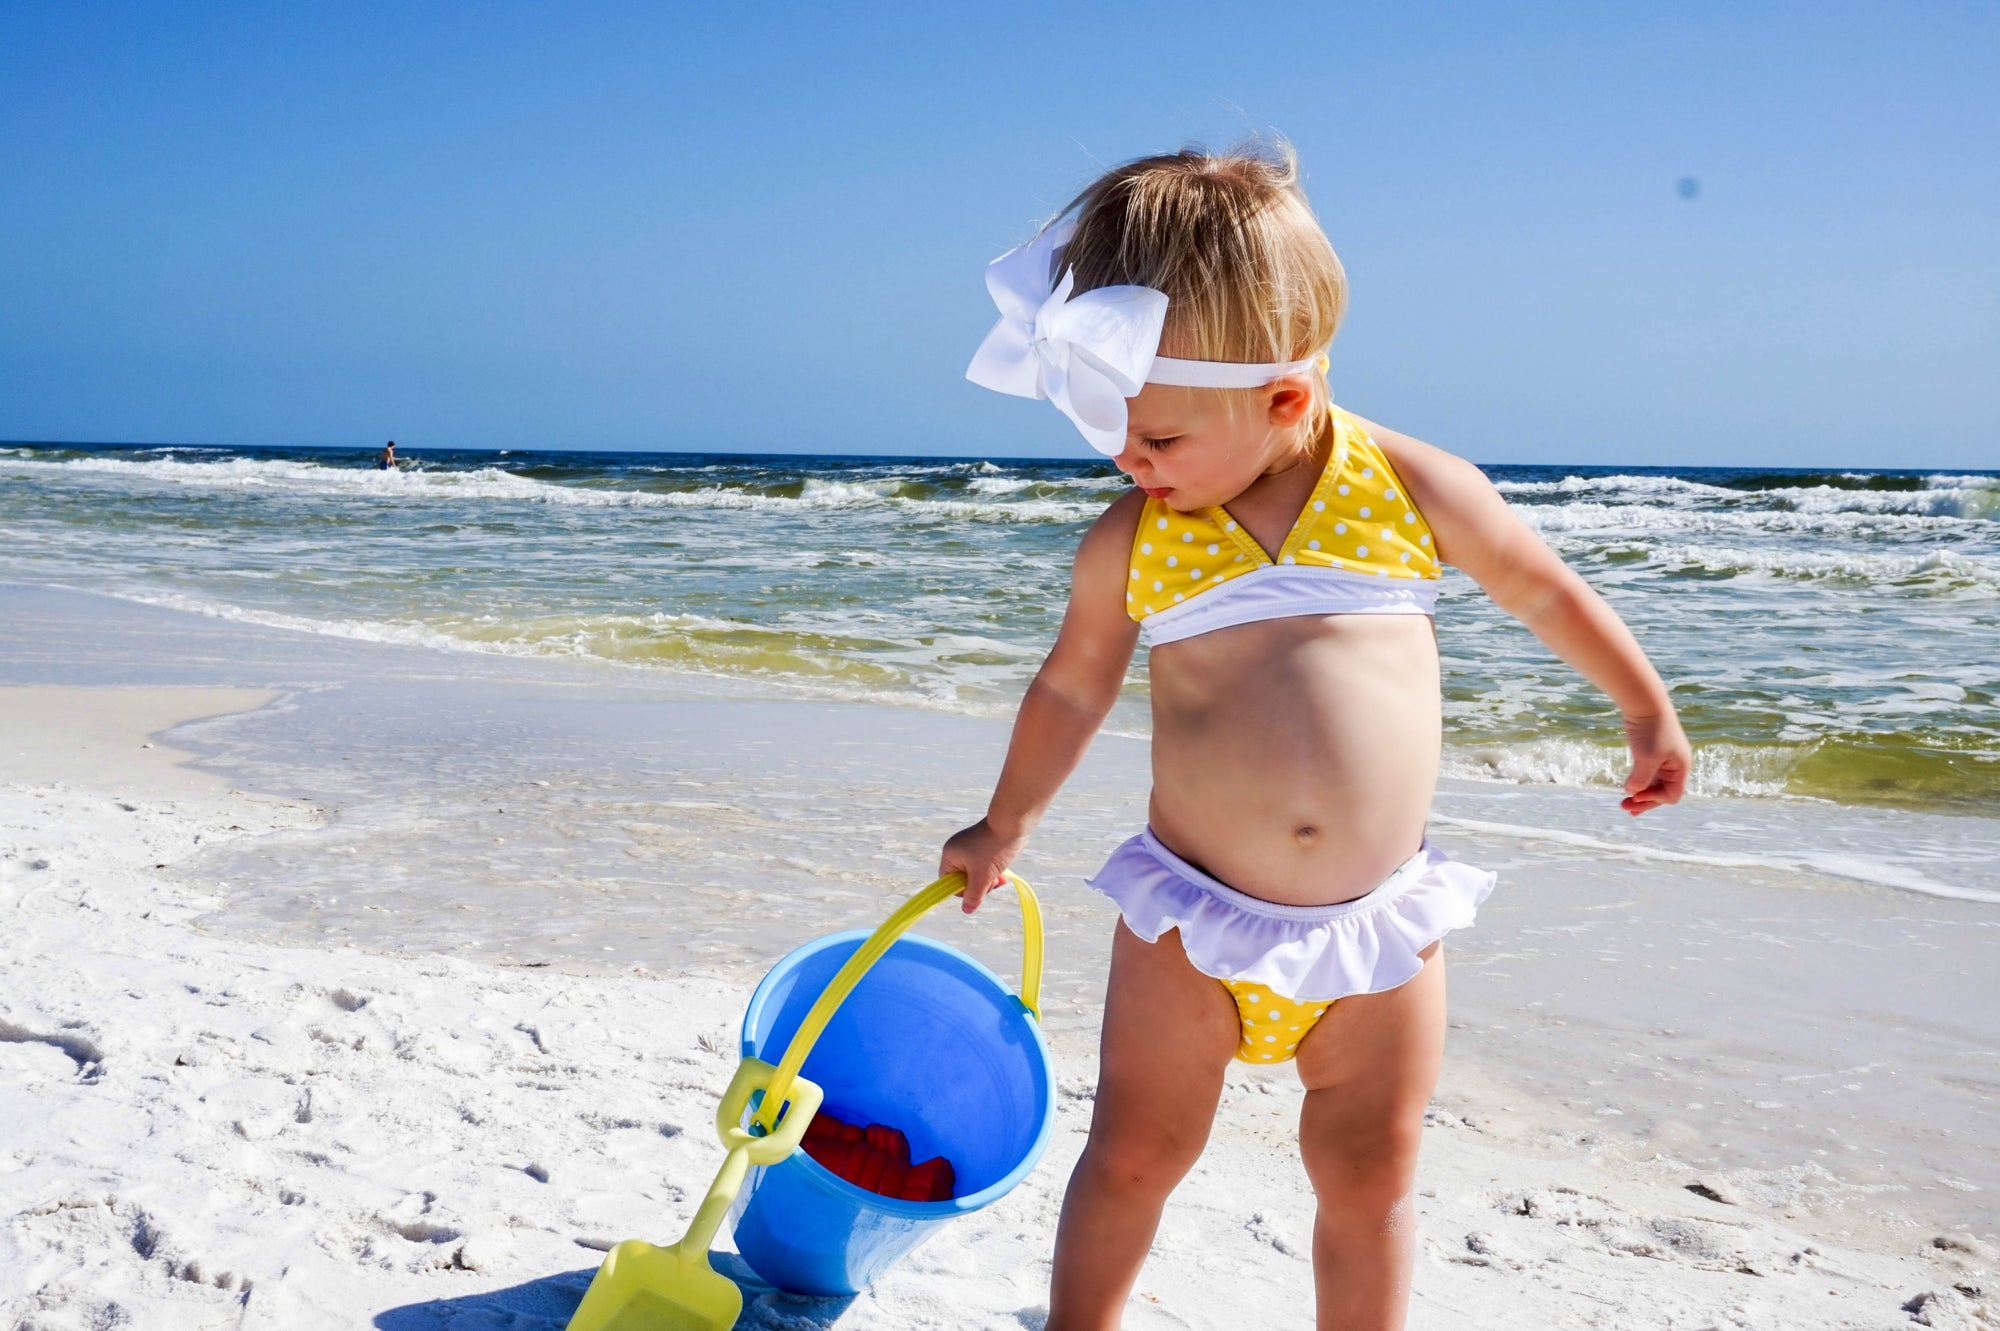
{"x": 1280, "y": 555}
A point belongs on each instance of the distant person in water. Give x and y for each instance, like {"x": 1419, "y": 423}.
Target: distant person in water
{"x": 388, "y": 461}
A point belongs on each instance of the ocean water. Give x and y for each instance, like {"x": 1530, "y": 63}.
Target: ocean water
{"x": 1828, "y": 635}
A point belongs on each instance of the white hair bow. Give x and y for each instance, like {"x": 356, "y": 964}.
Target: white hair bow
{"x": 1087, "y": 354}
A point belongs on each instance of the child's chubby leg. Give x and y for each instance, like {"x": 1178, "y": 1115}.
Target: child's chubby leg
{"x": 1169, "y": 1033}
{"x": 1369, "y": 1067}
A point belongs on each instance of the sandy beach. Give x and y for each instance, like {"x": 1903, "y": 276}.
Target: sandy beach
{"x": 227, "y": 1110}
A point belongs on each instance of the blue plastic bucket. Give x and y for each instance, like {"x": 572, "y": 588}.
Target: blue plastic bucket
{"x": 930, "y": 1042}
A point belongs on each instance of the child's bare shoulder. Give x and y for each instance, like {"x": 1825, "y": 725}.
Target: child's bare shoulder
{"x": 1115, "y": 527}
{"x": 1475, "y": 529}
{"x": 1106, "y": 549}
{"x": 1403, "y": 448}
{"x": 1434, "y": 476}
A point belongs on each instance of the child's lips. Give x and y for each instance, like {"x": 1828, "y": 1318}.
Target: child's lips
{"x": 1157, "y": 493}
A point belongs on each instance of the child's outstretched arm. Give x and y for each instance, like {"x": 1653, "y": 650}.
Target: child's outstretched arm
{"x": 1477, "y": 532}
{"x": 1062, "y": 709}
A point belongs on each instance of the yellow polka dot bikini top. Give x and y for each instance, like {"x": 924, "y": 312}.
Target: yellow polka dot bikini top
{"x": 1359, "y": 547}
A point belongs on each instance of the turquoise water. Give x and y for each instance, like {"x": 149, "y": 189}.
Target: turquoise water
{"x": 1833, "y": 635}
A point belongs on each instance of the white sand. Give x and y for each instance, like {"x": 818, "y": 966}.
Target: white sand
{"x": 202, "y": 1132}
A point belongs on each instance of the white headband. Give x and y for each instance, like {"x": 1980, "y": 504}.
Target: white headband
{"x": 1090, "y": 353}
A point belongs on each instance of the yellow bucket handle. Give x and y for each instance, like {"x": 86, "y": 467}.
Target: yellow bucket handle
{"x": 871, "y": 951}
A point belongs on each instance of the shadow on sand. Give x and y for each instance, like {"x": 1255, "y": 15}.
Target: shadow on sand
{"x": 546, "y": 1305}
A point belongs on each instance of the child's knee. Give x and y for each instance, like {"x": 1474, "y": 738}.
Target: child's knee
{"x": 1371, "y": 1167}
{"x": 1141, "y": 1164}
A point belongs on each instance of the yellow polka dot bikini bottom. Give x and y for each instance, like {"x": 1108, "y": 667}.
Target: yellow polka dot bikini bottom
{"x": 1287, "y": 965}
{"x": 1273, "y": 1025}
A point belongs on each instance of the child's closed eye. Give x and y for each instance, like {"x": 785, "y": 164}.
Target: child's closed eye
{"x": 1157, "y": 444}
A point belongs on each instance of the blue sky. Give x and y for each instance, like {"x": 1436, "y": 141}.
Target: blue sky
{"x": 762, "y": 228}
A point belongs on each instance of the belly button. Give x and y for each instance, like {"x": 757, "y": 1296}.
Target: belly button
{"x": 1306, "y": 835}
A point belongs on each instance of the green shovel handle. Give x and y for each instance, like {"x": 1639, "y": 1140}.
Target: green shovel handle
{"x": 871, "y": 951}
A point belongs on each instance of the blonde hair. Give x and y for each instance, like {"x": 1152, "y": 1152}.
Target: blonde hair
{"x": 1229, "y": 237}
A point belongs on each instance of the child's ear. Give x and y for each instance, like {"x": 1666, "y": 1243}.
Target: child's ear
{"x": 1288, "y": 400}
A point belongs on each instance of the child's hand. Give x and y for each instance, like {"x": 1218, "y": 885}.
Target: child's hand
{"x": 1661, "y": 761}
{"x": 982, "y": 854}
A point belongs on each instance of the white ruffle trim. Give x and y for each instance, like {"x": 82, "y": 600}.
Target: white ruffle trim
{"x": 1313, "y": 954}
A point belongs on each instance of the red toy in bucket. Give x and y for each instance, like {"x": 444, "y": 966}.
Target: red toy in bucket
{"x": 876, "y": 1158}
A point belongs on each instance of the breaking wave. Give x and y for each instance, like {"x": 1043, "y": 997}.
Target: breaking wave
{"x": 987, "y": 499}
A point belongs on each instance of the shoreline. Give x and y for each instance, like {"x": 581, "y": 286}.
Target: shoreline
{"x": 832, "y": 576}
{"x": 1593, "y": 761}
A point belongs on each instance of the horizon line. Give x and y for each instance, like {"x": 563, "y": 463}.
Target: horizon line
{"x": 936, "y": 457}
